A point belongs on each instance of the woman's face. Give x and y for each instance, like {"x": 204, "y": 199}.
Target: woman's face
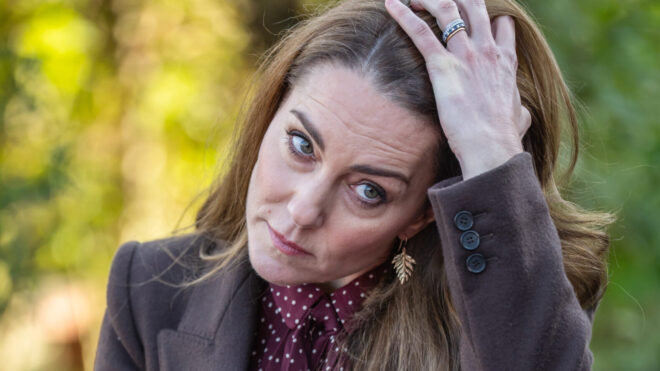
{"x": 342, "y": 171}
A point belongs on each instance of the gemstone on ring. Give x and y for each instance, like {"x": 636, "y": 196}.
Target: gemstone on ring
{"x": 454, "y": 23}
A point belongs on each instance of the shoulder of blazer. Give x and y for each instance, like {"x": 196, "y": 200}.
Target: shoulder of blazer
{"x": 169, "y": 261}
{"x": 143, "y": 296}
{"x": 152, "y": 272}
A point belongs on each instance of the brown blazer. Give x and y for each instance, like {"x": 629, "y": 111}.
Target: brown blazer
{"x": 518, "y": 309}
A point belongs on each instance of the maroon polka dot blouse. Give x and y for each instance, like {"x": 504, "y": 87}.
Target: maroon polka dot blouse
{"x": 298, "y": 325}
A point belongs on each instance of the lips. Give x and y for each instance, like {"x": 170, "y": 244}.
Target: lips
{"x": 285, "y": 246}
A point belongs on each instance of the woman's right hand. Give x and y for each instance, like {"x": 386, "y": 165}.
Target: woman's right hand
{"x": 473, "y": 78}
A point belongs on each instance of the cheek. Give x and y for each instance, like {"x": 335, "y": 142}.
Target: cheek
{"x": 270, "y": 177}
{"x": 360, "y": 241}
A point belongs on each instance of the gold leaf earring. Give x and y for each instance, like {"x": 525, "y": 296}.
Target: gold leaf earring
{"x": 403, "y": 263}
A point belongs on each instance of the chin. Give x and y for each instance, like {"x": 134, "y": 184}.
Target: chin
{"x": 267, "y": 261}
{"x": 268, "y": 268}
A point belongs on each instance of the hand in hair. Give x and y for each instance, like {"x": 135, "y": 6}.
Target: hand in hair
{"x": 473, "y": 79}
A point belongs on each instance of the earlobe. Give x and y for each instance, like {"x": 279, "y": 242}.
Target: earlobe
{"x": 424, "y": 219}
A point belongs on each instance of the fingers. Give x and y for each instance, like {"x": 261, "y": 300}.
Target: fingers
{"x": 478, "y": 19}
{"x": 418, "y": 31}
{"x": 444, "y": 11}
{"x": 504, "y": 32}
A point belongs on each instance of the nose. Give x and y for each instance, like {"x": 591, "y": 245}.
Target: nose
{"x": 306, "y": 205}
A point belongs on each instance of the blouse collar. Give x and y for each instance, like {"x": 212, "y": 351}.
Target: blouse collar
{"x": 295, "y": 302}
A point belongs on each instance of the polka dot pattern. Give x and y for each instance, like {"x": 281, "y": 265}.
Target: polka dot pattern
{"x": 298, "y": 326}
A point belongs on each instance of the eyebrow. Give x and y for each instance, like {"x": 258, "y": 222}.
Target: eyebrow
{"x": 366, "y": 169}
{"x": 311, "y": 129}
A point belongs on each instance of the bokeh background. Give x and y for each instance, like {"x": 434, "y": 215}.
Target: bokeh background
{"x": 115, "y": 116}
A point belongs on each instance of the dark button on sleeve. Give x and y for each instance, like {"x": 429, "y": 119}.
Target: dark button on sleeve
{"x": 470, "y": 240}
{"x": 463, "y": 220}
{"x": 476, "y": 263}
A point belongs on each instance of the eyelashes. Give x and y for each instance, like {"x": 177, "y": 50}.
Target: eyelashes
{"x": 371, "y": 194}
{"x": 299, "y": 144}
{"x": 367, "y": 193}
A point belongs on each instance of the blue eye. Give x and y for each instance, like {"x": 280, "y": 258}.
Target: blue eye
{"x": 370, "y": 193}
{"x": 300, "y": 144}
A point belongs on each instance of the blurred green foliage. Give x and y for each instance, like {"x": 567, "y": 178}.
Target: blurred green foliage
{"x": 608, "y": 51}
{"x": 114, "y": 116}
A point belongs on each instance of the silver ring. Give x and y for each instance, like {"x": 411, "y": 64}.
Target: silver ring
{"x": 452, "y": 28}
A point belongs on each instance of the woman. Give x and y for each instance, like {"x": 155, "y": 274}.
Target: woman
{"x": 370, "y": 141}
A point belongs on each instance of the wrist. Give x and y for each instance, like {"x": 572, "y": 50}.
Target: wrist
{"x": 484, "y": 159}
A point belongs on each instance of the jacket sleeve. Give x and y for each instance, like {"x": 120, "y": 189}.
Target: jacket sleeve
{"x": 504, "y": 265}
{"x": 119, "y": 346}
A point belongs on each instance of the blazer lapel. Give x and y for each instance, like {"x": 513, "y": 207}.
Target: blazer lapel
{"x": 217, "y": 329}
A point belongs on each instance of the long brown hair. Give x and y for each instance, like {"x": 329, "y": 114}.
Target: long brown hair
{"x": 397, "y": 330}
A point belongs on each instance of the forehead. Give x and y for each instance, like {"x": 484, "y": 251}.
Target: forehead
{"x": 351, "y": 113}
